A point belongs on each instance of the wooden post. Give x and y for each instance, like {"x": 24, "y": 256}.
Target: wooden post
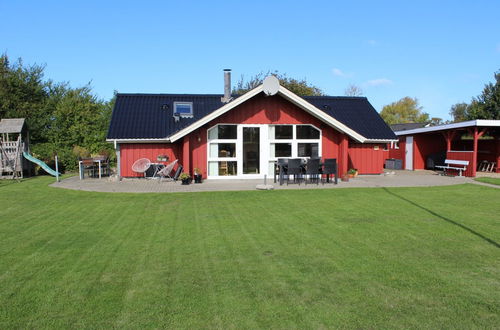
{"x": 449, "y": 136}
{"x": 475, "y": 135}
{"x": 343, "y": 155}
{"x": 186, "y": 157}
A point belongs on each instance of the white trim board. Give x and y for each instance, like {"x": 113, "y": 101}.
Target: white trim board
{"x": 470, "y": 123}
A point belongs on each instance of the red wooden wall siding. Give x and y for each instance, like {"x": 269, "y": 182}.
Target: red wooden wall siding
{"x": 398, "y": 153}
{"x": 366, "y": 159}
{"x": 462, "y": 155}
{"x": 131, "y": 152}
{"x": 425, "y": 145}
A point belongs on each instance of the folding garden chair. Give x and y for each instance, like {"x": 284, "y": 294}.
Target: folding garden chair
{"x": 167, "y": 170}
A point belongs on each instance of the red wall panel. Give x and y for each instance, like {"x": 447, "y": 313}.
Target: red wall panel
{"x": 129, "y": 153}
{"x": 462, "y": 155}
{"x": 425, "y": 145}
{"x": 398, "y": 153}
{"x": 366, "y": 158}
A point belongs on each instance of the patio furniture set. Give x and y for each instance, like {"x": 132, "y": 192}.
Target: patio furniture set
{"x": 157, "y": 170}
{"x": 94, "y": 167}
{"x": 302, "y": 170}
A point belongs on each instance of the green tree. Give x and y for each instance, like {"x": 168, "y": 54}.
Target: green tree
{"x": 459, "y": 112}
{"x": 486, "y": 105}
{"x": 406, "y": 110}
{"x": 60, "y": 118}
{"x": 23, "y": 94}
{"x": 297, "y": 86}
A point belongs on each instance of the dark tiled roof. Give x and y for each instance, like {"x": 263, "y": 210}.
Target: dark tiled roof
{"x": 149, "y": 116}
{"x": 354, "y": 112}
{"x": 407, "y": 126}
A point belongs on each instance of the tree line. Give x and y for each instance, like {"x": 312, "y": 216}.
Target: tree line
{"x": 70, "y": 122}
{"x": 484, "y": 106}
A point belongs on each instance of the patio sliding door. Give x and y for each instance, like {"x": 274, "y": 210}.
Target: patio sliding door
{"x": 251, "y": 150}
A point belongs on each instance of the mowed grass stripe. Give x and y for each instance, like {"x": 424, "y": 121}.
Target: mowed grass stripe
{"x": 308, "y": 258}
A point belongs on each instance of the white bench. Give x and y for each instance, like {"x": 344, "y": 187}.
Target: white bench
{"x": 453, "y": 164}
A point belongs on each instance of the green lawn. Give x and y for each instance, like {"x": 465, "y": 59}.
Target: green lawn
{"x": 495, "y": 181}
{"x": 357, "y": 258}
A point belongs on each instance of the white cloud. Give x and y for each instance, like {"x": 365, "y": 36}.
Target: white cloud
{"x": 340, "y": 73}
{"x": 379, "y": 82}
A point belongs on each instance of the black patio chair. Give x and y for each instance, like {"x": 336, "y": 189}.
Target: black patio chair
{"x": 313, "y": 170}
{"x": 281, "y": 169}
{"x": 329, "y": 168}
{"x": 178, "y": 172}
{"x": 89, "y": 166}
{"x": 294, "y": 168}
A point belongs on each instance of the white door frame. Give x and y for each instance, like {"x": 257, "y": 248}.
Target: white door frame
{"x": 263, "y": 151}
{"x": 409, "y": 153}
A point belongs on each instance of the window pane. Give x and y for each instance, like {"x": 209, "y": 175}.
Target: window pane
{"x": 307, "y": 132}
{"x": 214, "y": 150}
{"x": 227, "y": 150}
{"x": 227, "y": 131}
{"x": 281, "y": 150}
{"x": 308, "y": 150}
{"x": 213, "y": 133}
{"x": 227, "y": 168}
{"x": 183, "y": 108}
{"x": 282, "y": 132}
{"x": 213, "y": 168}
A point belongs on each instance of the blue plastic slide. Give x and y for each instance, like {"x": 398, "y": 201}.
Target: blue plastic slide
{"x": 42, "y": 164}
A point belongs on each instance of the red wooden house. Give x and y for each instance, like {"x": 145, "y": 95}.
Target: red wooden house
{"x": 476, "y": 141}
{"x": 241, "y": 137}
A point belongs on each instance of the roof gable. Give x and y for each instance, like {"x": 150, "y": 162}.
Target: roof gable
{"x": 149, "y": 116}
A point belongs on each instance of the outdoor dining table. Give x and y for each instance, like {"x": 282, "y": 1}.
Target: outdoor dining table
{"x": 284, "y": 166}
{"x": 80, "y": 167}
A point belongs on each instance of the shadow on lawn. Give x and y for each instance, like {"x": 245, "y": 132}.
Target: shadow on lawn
{"x": 489, "y": 240}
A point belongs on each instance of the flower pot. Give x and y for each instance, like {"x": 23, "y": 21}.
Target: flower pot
{"x": 197, "y": 178}
{"x": 186, "y": 181}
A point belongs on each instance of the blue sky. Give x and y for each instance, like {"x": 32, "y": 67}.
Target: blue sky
{"x": 441, "y": 52}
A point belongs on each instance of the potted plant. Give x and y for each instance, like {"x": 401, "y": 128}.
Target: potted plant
{"x": 197, "y": 175}
{"x": 352, "y": 172}
{"x": 185, "y": 178}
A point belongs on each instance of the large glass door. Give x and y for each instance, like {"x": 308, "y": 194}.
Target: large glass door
{"x": 251, "y": 149}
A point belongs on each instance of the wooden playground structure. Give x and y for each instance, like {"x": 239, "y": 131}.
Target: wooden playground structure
{"x": 14, "y": 140}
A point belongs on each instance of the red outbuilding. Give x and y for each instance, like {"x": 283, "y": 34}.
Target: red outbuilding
{"x": 226, "y": 136}
{"x": 475, "y": 141}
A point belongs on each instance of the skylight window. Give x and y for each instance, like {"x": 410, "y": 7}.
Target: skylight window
{"x": 183, "y": 109}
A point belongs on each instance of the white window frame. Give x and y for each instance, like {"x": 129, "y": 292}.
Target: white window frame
{"x": 295, "y": 142}
{"x": 222, "y": 159}
{"x": 183, "y": 115}
{"x": 265, "y": 147}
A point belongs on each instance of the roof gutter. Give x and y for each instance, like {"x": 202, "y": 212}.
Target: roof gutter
{"x": 115, "y": 141}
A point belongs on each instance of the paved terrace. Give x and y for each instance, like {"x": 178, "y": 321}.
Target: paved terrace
{"x": 391, "y": 179}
